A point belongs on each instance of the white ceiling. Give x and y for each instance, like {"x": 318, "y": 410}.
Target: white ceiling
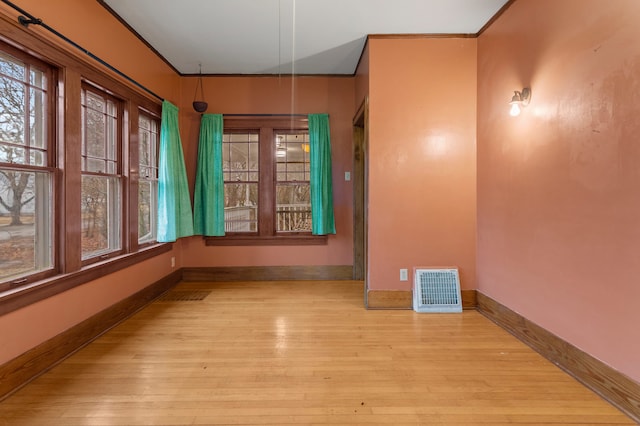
{"x": 288, "y": 36}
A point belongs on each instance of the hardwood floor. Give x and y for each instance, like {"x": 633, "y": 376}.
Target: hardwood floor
{"x": 302, "y": 353}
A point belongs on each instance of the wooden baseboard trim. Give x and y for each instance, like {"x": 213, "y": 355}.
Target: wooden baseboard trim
{"x": 403, "y": 299}
{"x": 31, "y": 364}
{"x": 618, "y": 389}
{"x": 269, "y": 273}
{"x": 389, "y": 299}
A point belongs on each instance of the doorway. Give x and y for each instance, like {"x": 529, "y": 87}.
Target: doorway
{"x": 360, "y": 191}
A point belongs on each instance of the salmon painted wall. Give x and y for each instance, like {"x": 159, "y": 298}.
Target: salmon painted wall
{"x": 277, "y": 95}
{"x": 559, "y": 186}
{"x": 88, "y": 24}
{"x": 95, "y": 29}
{"x": 422, "y": 158}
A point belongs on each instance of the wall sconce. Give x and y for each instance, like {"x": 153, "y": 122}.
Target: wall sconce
{"x": 199, "y": 106}
{"x": 519, "y": 100}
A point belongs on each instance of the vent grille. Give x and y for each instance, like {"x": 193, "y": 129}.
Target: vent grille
{"x": 437, "y": 290}
{"x": 184, "y": 296}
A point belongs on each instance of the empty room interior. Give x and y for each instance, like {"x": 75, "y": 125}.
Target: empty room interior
{"x": 229, "y": 212}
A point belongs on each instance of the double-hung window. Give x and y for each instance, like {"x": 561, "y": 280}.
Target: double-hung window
{"x": 266, "y": 172}
{"x": 293, "y": 190}
{"x": 101, "y": 192}
{"x": 27, "y": 173}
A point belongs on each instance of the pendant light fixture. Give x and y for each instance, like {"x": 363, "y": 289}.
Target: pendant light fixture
{"x": 199, "y": 106}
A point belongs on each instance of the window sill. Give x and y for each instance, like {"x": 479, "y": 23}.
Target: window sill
{"x": 254, "y": 240}
{"x": 22, "y": 296}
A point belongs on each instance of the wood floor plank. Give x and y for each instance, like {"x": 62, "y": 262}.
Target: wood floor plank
{"x": 277, "y": 353}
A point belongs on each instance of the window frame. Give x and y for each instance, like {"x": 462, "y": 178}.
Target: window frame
{"x": 49, "y": 167}
{"x": 68, "y": 72}
{"x": 154, "y": 117}
{"x": 119, "y": 174}
{"x": 266, "y": 127}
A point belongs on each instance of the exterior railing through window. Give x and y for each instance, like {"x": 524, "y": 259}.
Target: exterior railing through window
{"x": 289, "y": 218}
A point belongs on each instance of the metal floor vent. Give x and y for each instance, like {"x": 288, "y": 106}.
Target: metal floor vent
{"x": 437, "y": 290}
{"x": 184, "y": 296}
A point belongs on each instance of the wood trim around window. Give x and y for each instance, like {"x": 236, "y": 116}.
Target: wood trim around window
{"x": 69, "y": 71}
{"x": 266, "y": 127}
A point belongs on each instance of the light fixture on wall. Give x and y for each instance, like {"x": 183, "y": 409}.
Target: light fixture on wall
{"x": 519, "y": 100}
{"x": 199, "y": 106}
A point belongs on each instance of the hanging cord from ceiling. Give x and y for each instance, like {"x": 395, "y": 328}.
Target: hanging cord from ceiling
{"x": 27, "y": 19}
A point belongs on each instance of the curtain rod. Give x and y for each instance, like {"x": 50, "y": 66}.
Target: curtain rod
{"x": 26, "y": 19}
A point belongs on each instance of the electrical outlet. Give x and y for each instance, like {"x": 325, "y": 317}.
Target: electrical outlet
{"x": 404, "y": 275}
{"x": 173, "y": 261}
{"x": 347, "y": 176}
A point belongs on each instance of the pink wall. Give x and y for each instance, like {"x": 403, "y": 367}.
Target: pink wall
{"x": 95, "y": 29}
{"x": 558, "y": 186}
{"x": 87, "y": 23}
{"x": 278, "y": 95}
{"x": 422, "y": 158}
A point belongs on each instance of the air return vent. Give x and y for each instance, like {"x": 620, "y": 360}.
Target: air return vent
{"x": 184, "y": 296}
{"x": 437, "y": 290}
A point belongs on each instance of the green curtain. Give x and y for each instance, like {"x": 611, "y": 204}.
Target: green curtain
{"x": 174, "y": 204}
{"x": 208, "y": 215}
{"x": 322, "y": 220}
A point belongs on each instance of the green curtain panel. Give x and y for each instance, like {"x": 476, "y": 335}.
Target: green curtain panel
{"x": 322, "y": 220}
{"x": 174, "y": 203}
{"x": 208, "y": 214}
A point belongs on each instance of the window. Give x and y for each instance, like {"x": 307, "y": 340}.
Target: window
{"x": 26, "y": 172}
{"x": 70, "y": 138}
{"x": 241, "y": 173}
{"x": 101, "y": 174}
{"x": 293, "y": 189}
{"x": 148, "y": 140}
{"x": 266, "y": 168}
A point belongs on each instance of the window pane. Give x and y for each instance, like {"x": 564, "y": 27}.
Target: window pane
{"x": 144, "y": 148}
{"x": 147, "y": 208}
{"x": 241, "y": 207}
{"x": 25, "y": 223}
{"x": 101, "y": 225}
{"x": 95, "y": 136}
{"x": 240, "y": 158}
{"x": 38, "y": 78}
{"x": 12, "y": 103}
{"x": 12, "y": 154}
{"x": 293, "y": 208}
{"x": 37, "y": 116}
{"x": 112, "y": 132}
{"x": 293, "y": 195}
{"x": 11, "y": 67}
{"x": 100, "y": 133}
{"x": 93, "y": 165}
{"x": 38, "y": 158}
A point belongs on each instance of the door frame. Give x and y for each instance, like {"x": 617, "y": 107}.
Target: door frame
{"x": 360, "y": 195}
